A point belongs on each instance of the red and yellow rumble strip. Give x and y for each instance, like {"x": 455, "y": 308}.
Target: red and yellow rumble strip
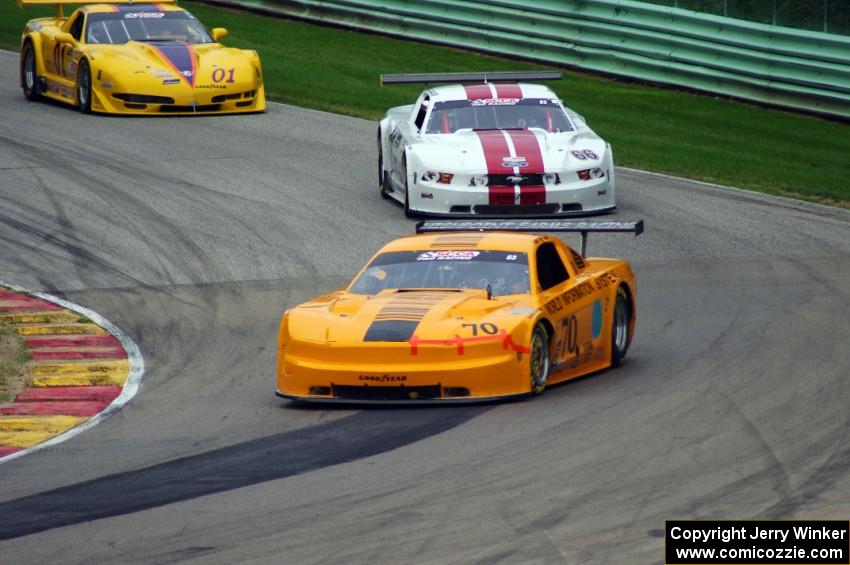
{"x": 77, "y": 370}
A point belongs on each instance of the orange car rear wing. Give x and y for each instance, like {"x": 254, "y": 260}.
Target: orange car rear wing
{"x": 572, "y": 226}
{"x": 494, "y": 76}
{"x": 60, "y": 3}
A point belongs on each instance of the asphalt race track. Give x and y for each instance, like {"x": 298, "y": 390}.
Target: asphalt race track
{"x": 193, "y": 235}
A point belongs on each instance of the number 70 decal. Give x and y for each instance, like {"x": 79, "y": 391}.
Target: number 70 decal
{"x": 220, "y": 74}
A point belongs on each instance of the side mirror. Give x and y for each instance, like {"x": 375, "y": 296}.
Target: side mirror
{"x": 65, "y": 37}
{"x": 218, "y": 33}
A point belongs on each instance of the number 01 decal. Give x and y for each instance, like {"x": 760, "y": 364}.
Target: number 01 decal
{"x": 220, "y": 74}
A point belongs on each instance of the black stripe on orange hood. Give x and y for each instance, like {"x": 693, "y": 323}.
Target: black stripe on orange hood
{"x": 399, "y": 318}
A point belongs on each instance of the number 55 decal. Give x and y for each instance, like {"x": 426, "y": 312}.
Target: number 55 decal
{"x": 219, "y": 75}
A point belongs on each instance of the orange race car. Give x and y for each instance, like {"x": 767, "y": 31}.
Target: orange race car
{"x": 471, "y": 310}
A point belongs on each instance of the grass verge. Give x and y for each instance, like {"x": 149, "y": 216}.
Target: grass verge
{"x": 657, "y": 129}
{"x": 13, "y": 358}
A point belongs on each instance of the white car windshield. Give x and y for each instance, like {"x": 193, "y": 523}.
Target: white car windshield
{"x": 121, "y": 27}
{"x": 498, "y": 113}
{"x": 503, "y": 272}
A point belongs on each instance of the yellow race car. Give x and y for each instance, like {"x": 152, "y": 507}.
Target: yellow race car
{"x": 128, "y": 58}
{"x": 465, "y": 311}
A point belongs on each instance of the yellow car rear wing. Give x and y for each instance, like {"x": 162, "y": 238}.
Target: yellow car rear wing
{"x": 60, "y": 3}
{"x": 535, "y": 226}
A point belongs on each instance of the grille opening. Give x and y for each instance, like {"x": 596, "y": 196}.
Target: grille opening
{"x": 460, "y": 209}
{"x": 521, "y": 179}
{"x": 349, "y": 392}
{"x": 190, "y": 109}
{"x": 571, "y": 207}
{"x": 244, "y": 104}
{"x": 144, "y": 99}
{"x": 516, "y": 210}
{"x": 224, "y": 97}
{"x": 456, "y": 392}
{"x": 135, "y": 106}
{"x": 320, "y": 390}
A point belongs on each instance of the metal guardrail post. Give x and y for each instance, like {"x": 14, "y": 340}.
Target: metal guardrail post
{"x": 826, "y": 16}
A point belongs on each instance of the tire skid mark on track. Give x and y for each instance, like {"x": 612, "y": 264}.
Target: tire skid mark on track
{"x": 261, "y": 460}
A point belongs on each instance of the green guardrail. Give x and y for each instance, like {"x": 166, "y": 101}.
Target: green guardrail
{"x": 772, "y": 65}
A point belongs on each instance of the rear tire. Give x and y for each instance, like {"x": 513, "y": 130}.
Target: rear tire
{"x": 538, "y": 359}
{"x": 29, "y": 74}
{"x": 84, "y": 87}
{"x": 620, "y": 323}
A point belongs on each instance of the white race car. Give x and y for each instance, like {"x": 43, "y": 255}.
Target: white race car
{"x": 492, "y": 149}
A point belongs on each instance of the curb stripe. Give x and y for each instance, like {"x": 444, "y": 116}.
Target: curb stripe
{"x": 69, "y": 393}
{"x": 85, "y": 408}
{"x": 52, "y": 354}
{"x": 59, "y": 329}
{"x": 26, "y": 307}
{"x": 58, "y": 409}
{"x": 72, "y": 341}
{"x": 82, "y": 368}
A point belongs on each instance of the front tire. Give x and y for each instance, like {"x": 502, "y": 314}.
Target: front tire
{"x": 620, "y": 323}
{"x": 407, "y": 211}
{"x": 538, "y": 359}
{"x": 84, "y": 87}
{"x": 29, "y": 74}
{"x": 382, "y": 176}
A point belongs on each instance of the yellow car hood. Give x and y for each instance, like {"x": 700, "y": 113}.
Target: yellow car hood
{"x": 203, "y": 66}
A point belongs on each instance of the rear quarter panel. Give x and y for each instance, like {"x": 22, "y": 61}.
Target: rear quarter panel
{"x": 582, "y": 318}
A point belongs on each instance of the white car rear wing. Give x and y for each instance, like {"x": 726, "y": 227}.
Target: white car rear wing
{"x": 495, "y": 76}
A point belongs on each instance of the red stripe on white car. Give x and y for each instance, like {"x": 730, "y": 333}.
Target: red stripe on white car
{"x": 525, "y": 144}
{"x": 508, "y": 91}
{"x": 478, "y": 91}
{"x": 495, "y": 148}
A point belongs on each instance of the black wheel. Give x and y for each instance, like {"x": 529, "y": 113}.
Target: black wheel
{"x": 407, "y": 211}
{"x": 29, "y": 76}
{"x": 538, "y": 359}
{"x": 620, "y": 328}
{"x": 382, "y": 176}
{"x": 84, "y": 87}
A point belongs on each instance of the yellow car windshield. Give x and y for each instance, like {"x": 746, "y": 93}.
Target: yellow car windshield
{"x": 121, "y": 27}
{"x": 503, "y": 272}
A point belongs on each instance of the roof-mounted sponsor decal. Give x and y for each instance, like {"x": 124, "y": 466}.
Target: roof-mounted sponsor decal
{"x": 139, "y": 15}
{"x": 494, "y": 102}
{"x": 448, "y": 256}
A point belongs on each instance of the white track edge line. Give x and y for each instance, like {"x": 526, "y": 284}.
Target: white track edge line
{"x": 136, "y": 370}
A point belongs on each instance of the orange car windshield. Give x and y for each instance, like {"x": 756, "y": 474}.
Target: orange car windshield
{"x": 504, "y": 272}
{"x": 120, "y": 27}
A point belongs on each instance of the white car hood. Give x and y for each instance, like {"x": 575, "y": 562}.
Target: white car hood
{"x": 508, "y": 151}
